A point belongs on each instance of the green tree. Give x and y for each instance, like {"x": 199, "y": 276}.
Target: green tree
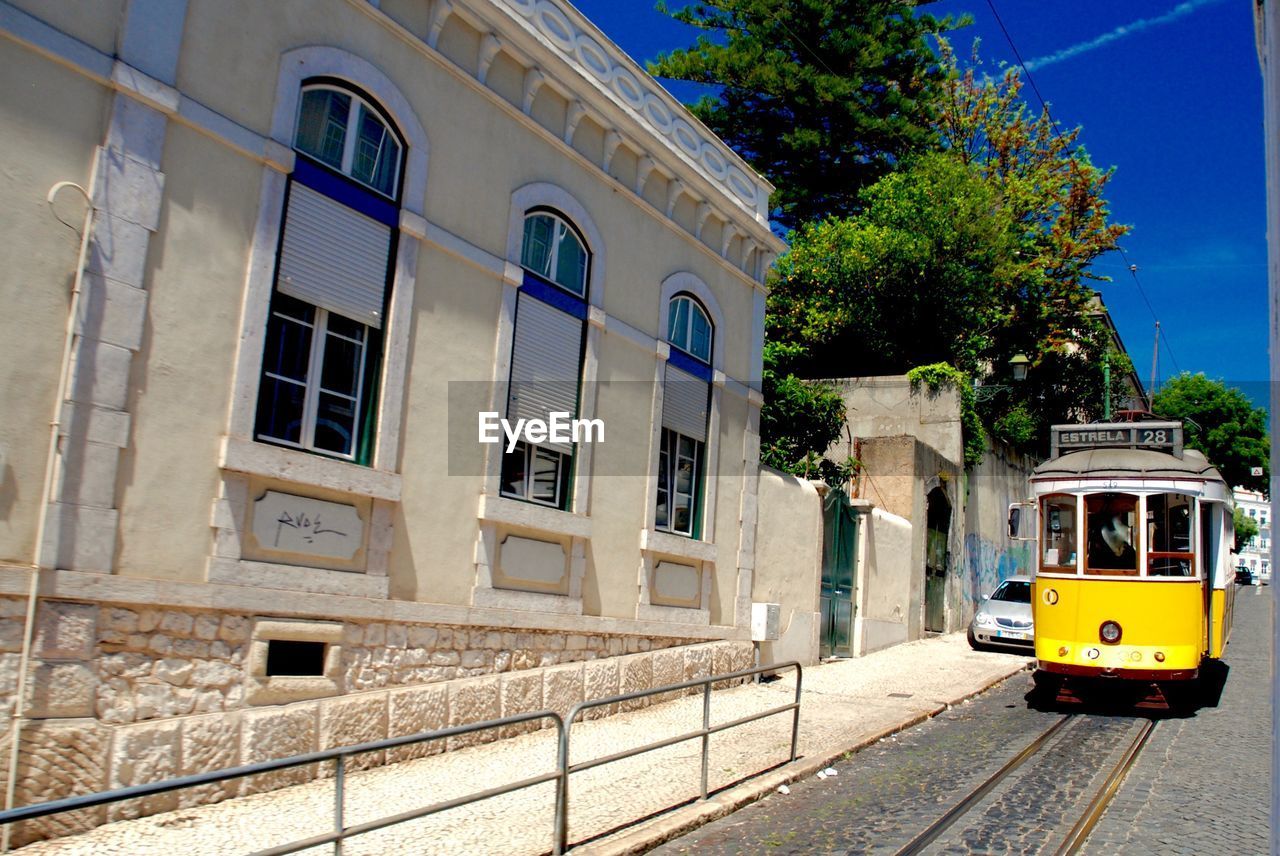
{"x": 915, "y": 279}
{"x": 823, "y": 97}
{"x": 1221, "y": 422}
{"x": 1246, "y": 527}
{"x": 933, "y": 270}
{"x": 1050, "y": 188}
{"x": 800, "y": 419}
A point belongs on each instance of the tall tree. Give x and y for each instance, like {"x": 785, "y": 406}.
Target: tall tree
{"x": 823, "y": 97}
{"x": 916, "y": 278}
{"x": 1221, "y": 422}
{"x": 1051, "y": 189}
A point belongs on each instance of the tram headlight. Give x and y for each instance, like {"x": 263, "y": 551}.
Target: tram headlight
{"x": 1109, "y": 632}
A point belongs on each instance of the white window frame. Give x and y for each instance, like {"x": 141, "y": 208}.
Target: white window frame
{"x": 562, "y": 228}
{"x": 696, "y": 499}
{"x": 694, "y": 306}
{"x": 239, "y": 454}
{"x": 685, "y": 283}
{"x": 528, "y": 198}
{"x": 349, "y": 143}
{"x": 312, "y": 388}
{"x": 495, "y": 510}
{"x": 530, "y": 452}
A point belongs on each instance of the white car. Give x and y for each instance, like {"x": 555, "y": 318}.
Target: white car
{"x": 1004, "y": 617}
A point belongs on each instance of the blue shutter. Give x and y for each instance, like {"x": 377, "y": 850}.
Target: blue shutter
{"x": 546, "y": 364}
{"x": 684, "y": 403}
{"x": 334, "y": 257}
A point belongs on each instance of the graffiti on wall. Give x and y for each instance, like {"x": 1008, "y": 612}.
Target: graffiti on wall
{"x": 988, "y": 562}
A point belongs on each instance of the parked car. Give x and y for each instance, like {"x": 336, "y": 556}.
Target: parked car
{"x": 1004, "y": 617}
{"x": 1244, "y": 577}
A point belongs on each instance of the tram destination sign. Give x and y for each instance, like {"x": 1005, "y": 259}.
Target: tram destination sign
{"x": 1156, "y": 436}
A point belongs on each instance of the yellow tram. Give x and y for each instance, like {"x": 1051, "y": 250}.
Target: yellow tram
{"x": 1133, "y": 574}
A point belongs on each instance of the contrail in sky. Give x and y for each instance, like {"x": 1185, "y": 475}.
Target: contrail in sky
{"x": 1123, "y": 31}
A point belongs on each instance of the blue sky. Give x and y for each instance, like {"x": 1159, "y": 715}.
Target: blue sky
{"x": 1168, "y": 92}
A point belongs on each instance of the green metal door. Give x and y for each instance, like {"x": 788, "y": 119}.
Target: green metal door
{"x": 938, "y": 517}
{"x": 839, "y": 552}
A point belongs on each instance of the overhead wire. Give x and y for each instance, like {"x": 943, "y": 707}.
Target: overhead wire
{"x": 1057, "y": 130}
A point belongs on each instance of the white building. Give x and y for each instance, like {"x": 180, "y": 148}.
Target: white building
{"x": 1256, "y": 554}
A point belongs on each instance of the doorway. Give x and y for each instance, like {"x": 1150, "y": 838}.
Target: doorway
{"x": 839, "y": 552}
{"x": 936, "y": 560}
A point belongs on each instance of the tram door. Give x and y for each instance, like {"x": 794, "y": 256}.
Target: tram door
{"x": 839, "y": 552}
{"x": 938, "y": 523}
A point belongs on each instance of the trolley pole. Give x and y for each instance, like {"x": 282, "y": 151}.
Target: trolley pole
{"x": 1106, "y": 387}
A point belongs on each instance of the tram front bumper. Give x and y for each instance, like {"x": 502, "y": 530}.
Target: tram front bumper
{"x": 1075, "y": 671}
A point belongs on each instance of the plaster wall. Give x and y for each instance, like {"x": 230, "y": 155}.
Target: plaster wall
{"x": 180, "y": 382}
{"x": 177, "y": 511}
{"x": 887, "y": 407}
{"x": 51, "y": 120}
{"x": 885, "y": 582}
{"x": 990, "y": 555}
{"x": 897, "y": 475}
{"x": 789, "y": 564}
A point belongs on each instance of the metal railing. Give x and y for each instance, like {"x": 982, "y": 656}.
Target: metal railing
{"x": 704, "y": 733}
{"x": 340, "y": 755}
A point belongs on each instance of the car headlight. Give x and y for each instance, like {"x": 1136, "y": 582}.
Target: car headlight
{"x": 982, "y": 618}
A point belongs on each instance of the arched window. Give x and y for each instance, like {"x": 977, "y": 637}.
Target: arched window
{"x": 546, "y": 357}
{"x": 686, "y": 397}
{"x": 689, "y": 328}
{"x": 323, "y": 352}
{"x": 343, "y": 131}
{"x": 553, "y": 250}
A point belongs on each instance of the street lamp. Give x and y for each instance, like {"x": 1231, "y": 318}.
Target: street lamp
{"x": 1018, "y": 367}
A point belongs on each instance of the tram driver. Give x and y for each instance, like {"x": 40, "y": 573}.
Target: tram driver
{"x": 1111, "y": 535}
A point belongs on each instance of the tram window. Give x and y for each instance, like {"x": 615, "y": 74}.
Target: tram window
{"x": 1169, "y": 535}
{"x": 1111, "y": 530}
{"x": 1058, "y": 540}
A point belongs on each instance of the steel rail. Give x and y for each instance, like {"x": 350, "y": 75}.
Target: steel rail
{"x": 704, "y": 733}
{"x": 931, "y": 832}
{"x": 340, "y": 832}
{"x": 1076, "y": 837}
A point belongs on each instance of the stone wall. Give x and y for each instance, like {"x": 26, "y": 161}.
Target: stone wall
{"x": 125, "y": 695}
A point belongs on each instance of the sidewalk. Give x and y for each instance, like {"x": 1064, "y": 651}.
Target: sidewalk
{"x": 845, "y": 704}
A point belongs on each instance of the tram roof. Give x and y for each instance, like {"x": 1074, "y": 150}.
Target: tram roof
{"x": 1128, "y": 463}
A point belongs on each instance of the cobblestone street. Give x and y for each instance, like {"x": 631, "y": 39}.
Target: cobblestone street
{"x": 1173, "y": 800}
{"x": 1203, "y": 785}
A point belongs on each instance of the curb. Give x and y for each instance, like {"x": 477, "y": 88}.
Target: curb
{"x": 679, "y": 821}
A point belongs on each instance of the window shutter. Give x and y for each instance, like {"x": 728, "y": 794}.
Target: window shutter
{"x": 684, "y": 403}
{"x": 334, "y": 257}
{"x": 546, "y": 363}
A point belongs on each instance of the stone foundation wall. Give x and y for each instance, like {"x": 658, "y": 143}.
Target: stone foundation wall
{"x": 123, "y": 696}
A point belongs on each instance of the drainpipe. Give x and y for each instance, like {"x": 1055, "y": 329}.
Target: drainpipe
{"x": 51, "y": 460}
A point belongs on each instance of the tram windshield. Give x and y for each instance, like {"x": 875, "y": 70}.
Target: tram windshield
{"x": 1122, "y": 534}
{"x": 1111, "y": 519}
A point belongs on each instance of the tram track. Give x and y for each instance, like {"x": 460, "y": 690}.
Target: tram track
{"x": 1078, "y": 833}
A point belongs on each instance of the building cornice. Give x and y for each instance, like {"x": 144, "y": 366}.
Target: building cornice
{"x": 623, "y": 96}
